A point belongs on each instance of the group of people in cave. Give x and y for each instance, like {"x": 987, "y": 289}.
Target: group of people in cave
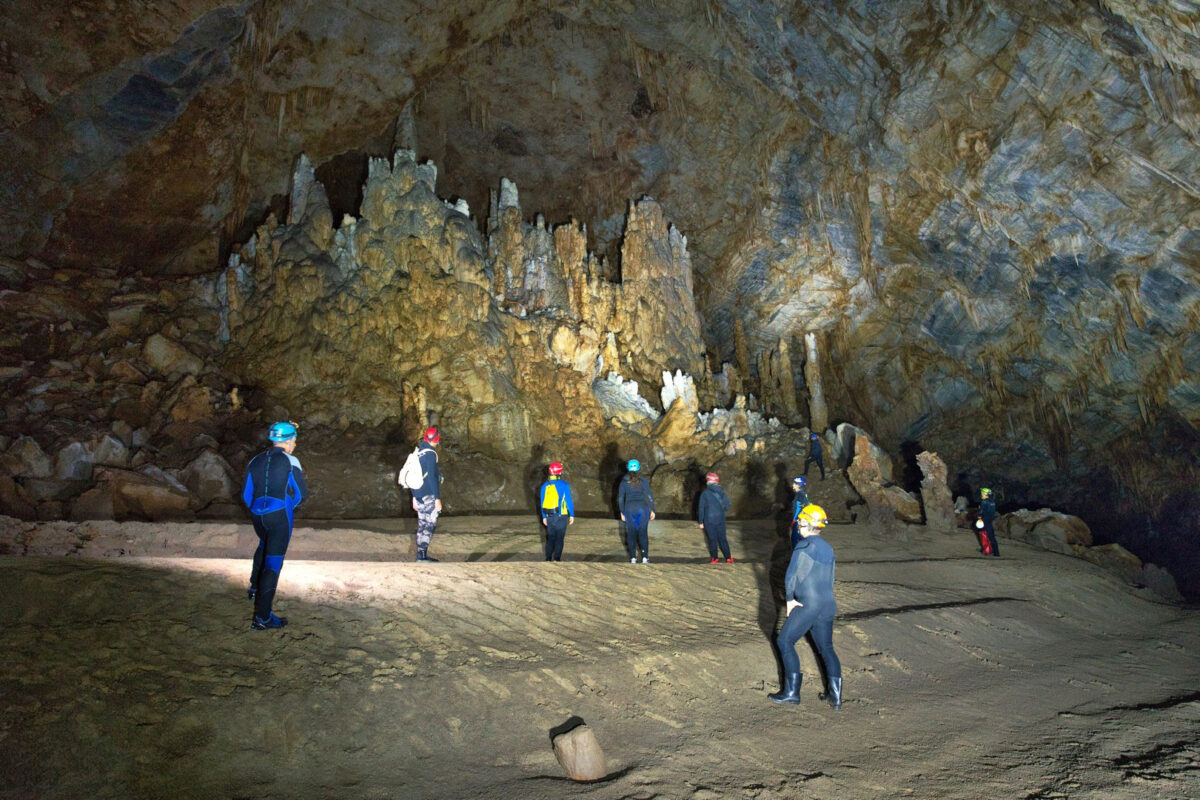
{"x": 275, "y": 486}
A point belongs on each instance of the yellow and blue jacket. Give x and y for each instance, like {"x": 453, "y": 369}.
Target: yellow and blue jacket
{"x": 556, "y": 498}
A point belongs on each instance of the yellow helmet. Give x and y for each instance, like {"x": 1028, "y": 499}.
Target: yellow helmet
{"x": 813, "y": 515}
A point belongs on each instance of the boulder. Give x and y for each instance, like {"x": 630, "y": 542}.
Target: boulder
{"x": 1116, "y": 559}
{"x": 45, "y": 490}
{"x": 843, "y": 450}
{"x": 110, "y": 450}
{"x": 580, "y": 755}
{"x": 210, "y": 478}
{"x": 150, "y": 494}
{"x": 884, "y": 504}
{"x": 95, "y": 503}
{"x": 13, "y": 500}
{"x": 74, "y": 462}
{"x": 1161, "y": 583}
{"x": 25, "y": 459}
{"x": 1046, "y": 528}
{"x": 940, "y": 509}
{"x": 167, "y": 356}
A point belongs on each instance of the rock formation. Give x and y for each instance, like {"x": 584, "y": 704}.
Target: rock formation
{"x": 935, "y": 493}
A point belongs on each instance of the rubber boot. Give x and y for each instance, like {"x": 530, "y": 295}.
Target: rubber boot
{"x": 834, "y": 695}
{"x": 790, "y": 693}
{"x": 423, "y": 554}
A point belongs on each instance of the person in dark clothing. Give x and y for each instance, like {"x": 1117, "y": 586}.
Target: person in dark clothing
{"x": 274, "y": 487}
{"x": 714, "y": 505}
{"x": 427, "y": 498}
{"x": 557, "y": 510}
{"x": 798, "y": 504}
{"x": 815, "y": 455}
{"x": 637, "y": 509}
{"x": 987, "y": 523}
{"x": 811, "y": 607}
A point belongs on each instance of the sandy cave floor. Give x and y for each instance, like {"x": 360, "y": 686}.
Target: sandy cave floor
{"x": 127, "y": 668}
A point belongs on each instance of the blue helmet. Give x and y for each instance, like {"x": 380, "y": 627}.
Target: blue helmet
{"x": 634, "y": 465}
{"x": 800, "y": 481}
{"x": 282, "y": 431}
{"x": 814, "y": 436}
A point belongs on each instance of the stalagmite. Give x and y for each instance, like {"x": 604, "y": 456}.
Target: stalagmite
{"x": 817, "y": 412}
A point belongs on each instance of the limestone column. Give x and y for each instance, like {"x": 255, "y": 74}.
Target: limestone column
{"x": 818, "y": 414}
{"x": 787, "y": 384}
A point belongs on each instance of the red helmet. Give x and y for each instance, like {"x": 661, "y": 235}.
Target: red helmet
{"x": 556, "y": 468}
{"x": 712, "y": 477}
{"x": 432, "y": 435}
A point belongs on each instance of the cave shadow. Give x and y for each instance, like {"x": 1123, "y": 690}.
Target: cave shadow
{"x": 769, "y": 575}
{"x": 535, "y": 474}
{"x": 609, "y": 473}
{"x": 694, "y": 484}
{"x": 394, "y": 446}
{"x": 910, "y": 473}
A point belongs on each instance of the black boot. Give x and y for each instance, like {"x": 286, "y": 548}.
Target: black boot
{"x": 423, "y": 554}
{"x": 834, "y": 695}
{"x": 790, "y": 693}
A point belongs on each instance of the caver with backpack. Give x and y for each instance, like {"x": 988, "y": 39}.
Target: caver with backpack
{"x": 420, "y": 474}
{"x": 557, "y": 510}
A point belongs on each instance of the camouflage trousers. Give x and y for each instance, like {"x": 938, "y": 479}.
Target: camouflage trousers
{"x": 427, "y": 515}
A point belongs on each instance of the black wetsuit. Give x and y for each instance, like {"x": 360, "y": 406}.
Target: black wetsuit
{"x": 636, "y": 504}
{"x": 798, "y": 504}
{"x": 274, "y": 487}
{"x": 809, "y": 580}
{"x": 815, "y": 456}
{"x": 714, "y": 505}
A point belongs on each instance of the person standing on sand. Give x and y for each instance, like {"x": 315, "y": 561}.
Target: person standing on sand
{"x": 557, "y": 510}
{"x": 987, "y": 523}
{"x": 637, "y": 509}
{"x": 811, "y": 607}
{"x": 427, "y": 498}
{"x": 714, "y": 505}
{"x": 274, "y": 487}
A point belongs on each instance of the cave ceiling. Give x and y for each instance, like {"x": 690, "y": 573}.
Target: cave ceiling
{"x": 988, "y": 210}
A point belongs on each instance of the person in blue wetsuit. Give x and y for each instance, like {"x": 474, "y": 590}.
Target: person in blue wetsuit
{"x": 815, "y": 455}
{"x": 808, "y": 591}
{"x": 557, "y": 510}
{"x": 274, "y": 487}
{"x": 714, "y": 505}
{"x": 798, "y": 503}
{"x": 637, "y": 509}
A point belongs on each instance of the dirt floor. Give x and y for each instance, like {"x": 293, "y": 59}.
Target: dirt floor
{"x": 128, "y": 670}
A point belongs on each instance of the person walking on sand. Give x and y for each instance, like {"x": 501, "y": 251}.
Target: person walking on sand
{"x": 557, "y": 509}
{"x": 714, "y": 505}
{"x": 274, "y": 487}
{"x": 808, "y": 591}
{"x": 637, "y": 509}
{"x": 427, "y": 498}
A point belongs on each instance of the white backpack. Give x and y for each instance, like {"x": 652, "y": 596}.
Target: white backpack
{"x": 411, "y": 476}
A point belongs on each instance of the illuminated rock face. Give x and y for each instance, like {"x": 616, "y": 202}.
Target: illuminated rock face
{"x": 502, "y": 339}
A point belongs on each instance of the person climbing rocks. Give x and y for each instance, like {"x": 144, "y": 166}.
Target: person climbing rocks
{"x": 274, "y": 486}
{"x": 808, "y": 592}
{"x": 427, "y": 498}
{"x": 557, "y": 509}
{"x": 815, "y": 455}
{"x": 714, "y": 505}
{"x": 636, "y": 504}
{"x": 799, "y": 501}
{"x": 986, "y": 524}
